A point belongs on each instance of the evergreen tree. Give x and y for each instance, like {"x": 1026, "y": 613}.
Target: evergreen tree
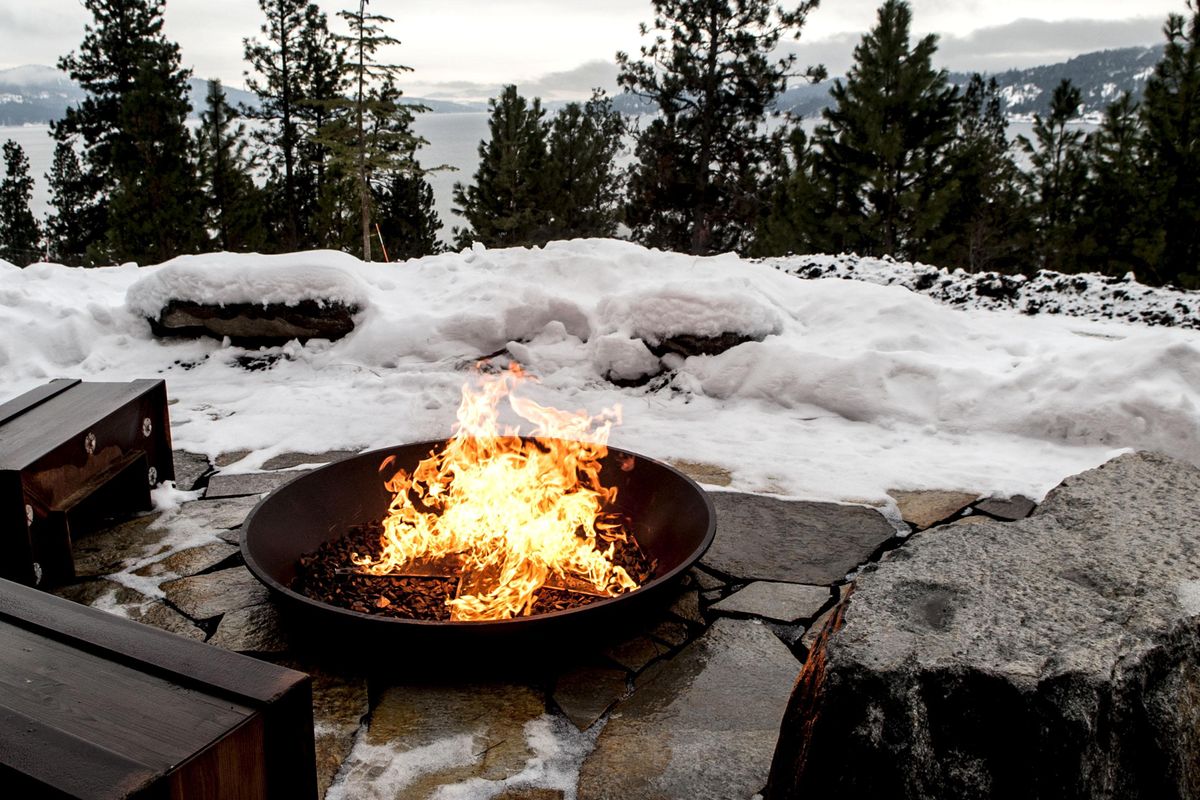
{"x": 1171, "y": 115}
{"x": 373, "y": 137}
{"x": 68, "y": 227}
{"x": 885, "y": 142}
{"x": 155, "y": 211}
{"x": 987, "y": 228}
{"x": 232, "y": 203}
{"x": 794, "y": 218}
{"x": 698, "y": 182}
{"x": 292, "y": 72}
{"x": 137, "y": 174}
{"x": 1119, "y": 233}
{"x": 408, "y": 222}
{"x": 504, "y": 204}
{"x": 1055, "y": 180}
{"x": 19, "y": 232}
{"x": 584, "y": 190}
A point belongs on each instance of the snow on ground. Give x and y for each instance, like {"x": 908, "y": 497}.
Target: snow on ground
{"x": 1092, "y": 296}
{"x": 855, "y": 388}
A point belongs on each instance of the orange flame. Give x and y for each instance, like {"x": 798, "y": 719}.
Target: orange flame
{"x": 514, "y": 512}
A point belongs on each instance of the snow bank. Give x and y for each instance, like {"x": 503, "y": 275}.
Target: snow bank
{"x": 854, "y": 388}
{"x": 249, "y": 278}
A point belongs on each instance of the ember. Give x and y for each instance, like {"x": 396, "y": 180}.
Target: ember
{"x": 494, "y": 525}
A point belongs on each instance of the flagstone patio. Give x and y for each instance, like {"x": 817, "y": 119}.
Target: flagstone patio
{"x": 687, "y": 705}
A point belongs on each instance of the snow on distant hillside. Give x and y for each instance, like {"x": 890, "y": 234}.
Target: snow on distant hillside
{"x": 854, "y": 388}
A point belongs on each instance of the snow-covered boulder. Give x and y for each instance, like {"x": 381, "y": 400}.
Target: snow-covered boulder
{"x": 252, "y": 299}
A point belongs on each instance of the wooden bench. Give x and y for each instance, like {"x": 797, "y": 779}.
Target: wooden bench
{"x": 72, "y": 454}
{"x": 95, "y": 706}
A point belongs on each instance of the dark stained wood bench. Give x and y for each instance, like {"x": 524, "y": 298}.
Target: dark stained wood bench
{"x": 95, "y": 706}
{"x": 71, "y": 454}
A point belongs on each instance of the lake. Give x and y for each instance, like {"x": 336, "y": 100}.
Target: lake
{"x": 453, "y": 140}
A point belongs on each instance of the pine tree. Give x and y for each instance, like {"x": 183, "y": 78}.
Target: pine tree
{"x": 885, "y": 142}
{"x": 1171, "y": 115}
{"x": 793, "y": 219}
{"x": 137, "y": 174}
{"x": 1055, "y": 179}
{"x": 68, "y": 227}
{"x": 582, "y": 180}
{"x": 373, "y": 136}
{"x": 232, "y": 203}
{"x": 698, "y": 182}
{"x": 1118, "y": 234}
{"x": 987, "y": 228}
{"x": 19, "y": 231}
{"x": 155, "y": 211}
{"x": 408, "y": 222}
{"x": 292, "y": 72}
{"x": 504, "y": 204}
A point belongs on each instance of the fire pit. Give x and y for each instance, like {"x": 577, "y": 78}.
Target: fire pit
{"x": 511, "y": 520}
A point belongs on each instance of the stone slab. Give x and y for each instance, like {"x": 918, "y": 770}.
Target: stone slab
{"x": 207, "y": 596}
{"x": 106, "y": 551}
{"x": 123, "y": 601}
{"x": 188, "y": 468}
{"x": 704, "y": 728}
{"x": 634, "y": 654}
{"x": 1054, "y": 656}
{"x": 1010, "y": 508}
{"x": 763, "y": 538}
{"x": 189, "y": 561}
{"x": 782, "y": 602}
{"x": 251, "y": 630}
{"x": 586, "y": 693}
{"x": 213, "y": 515}
{"x": 923, "y": 509}
{"x": 249, "y": 483}
{"x": 290, "y": 460}
{"x": 340, "y": 704}
{"x": 441, "y": 735}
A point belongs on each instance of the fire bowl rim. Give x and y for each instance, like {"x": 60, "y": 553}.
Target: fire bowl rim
{"x": 298, "y": 599}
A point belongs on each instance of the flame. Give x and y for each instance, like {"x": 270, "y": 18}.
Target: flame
{"x": 513, "y": 512}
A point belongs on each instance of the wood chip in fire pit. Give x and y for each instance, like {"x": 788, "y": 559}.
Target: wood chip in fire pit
{"x": 324, "y": 576}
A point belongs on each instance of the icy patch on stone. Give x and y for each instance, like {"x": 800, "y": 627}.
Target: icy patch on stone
{"x": 381, "y": 772}
{"x": 559, "y": 749}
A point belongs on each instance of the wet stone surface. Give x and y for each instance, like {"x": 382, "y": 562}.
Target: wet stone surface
{"x": 781, "y": 602}
{"x": 762, "y": 538}
{"x": 249, "y": 483}
{"x": 703, "y": 728}
{"x": 586, "y": 693}
{"x": 206, "y": 596}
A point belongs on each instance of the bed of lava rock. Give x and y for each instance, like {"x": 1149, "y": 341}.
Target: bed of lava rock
{"x": 321, "y": 575}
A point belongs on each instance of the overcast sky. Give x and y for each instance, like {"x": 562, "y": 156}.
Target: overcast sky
{"x": 559, "y": 48}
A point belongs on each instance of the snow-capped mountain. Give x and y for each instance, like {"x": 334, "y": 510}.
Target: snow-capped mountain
{"x": 1101, "y": 77}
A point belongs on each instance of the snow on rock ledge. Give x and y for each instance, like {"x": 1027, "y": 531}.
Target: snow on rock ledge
{"x": 252, "y": 298}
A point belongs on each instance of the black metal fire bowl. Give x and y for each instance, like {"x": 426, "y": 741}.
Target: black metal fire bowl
{"x": 672, "y": 519}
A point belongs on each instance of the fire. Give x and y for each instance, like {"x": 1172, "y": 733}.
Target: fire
{"x": 514, "y": 514}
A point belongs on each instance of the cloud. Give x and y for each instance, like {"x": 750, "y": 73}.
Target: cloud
{"x": 569, "y": 84}
{"x": 1030, "y": 42}
{"x": 1021, "y": 43}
